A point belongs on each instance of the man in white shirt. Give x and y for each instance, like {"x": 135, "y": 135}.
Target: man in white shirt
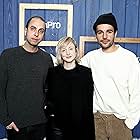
{"x": 116, "y": 76}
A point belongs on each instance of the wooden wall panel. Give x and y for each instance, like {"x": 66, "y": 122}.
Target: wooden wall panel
{"x": 105, "y": 6}
{"x": 138, "y": 30}
{"x": 79, "y": 21}
{"x": 1, "y": 25}
{"x": 131, "y": 22}
{"x": 127, "y": 13}
{"x": 118, "y": 8}
{"x": 10, "y": 24}
{"x": 85, "y": 13}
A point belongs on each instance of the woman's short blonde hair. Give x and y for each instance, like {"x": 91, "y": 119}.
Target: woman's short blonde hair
{"x": 63, "y": 42}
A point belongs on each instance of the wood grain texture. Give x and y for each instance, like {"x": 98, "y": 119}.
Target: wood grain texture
{"x": 85, "y": 13}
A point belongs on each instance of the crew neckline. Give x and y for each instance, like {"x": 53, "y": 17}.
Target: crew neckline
{"x": 111, "y": 53}
{"x": 31, "y": 53}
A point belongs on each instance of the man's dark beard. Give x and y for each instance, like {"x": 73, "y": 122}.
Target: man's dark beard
{"x": 108, "y": 46}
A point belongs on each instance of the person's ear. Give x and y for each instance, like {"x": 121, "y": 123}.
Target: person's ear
{"x": 25, "y": 32}
{"x": 43, "y": 37}
{"x": 116, "y": 33}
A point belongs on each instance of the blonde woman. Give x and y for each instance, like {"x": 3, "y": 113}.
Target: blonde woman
{"x": 70, "y": 90}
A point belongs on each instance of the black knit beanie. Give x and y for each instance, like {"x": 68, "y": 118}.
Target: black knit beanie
{"x": 106, "y": 19}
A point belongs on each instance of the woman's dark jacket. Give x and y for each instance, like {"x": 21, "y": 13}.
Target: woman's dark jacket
{"x": 71, "y": 93}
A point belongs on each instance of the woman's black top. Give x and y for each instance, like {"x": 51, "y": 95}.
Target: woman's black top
{"x": 71, "y": 93}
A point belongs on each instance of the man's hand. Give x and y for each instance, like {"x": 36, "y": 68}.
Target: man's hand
{"x": 12, "y": 126}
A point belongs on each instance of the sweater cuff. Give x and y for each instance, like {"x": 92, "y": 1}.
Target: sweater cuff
{"x": 7, "y": 122}
{"x": 131, "y": 123}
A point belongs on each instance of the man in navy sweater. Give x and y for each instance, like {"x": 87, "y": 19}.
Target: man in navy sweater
{"x": 23, "y": 72}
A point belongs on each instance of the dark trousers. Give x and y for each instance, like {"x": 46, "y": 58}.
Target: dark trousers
{"x": 35, "y": 132}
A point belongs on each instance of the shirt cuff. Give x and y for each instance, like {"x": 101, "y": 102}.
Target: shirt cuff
{"x": 131, "y": 123}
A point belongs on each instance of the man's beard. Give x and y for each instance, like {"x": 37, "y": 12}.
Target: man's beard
{"x": 107, "y": 47}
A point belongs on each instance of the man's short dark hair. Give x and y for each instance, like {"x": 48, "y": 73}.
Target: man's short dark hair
{"x": 28, "y": 22}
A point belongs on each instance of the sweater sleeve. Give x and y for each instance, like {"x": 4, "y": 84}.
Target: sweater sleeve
{"x": 85, "y": 60}
{"x": 134, "y": 92}
{"x": 4, "y": 118}
{"x": 90, "y": 129}
{"x": 90, "y": 89}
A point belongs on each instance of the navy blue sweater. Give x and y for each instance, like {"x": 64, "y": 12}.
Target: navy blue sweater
{"x": 22, "y": 79}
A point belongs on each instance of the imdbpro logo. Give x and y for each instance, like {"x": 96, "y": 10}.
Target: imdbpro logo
{"x": 53, "y": 25}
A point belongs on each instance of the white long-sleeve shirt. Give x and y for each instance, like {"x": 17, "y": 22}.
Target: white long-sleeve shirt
{"x": 116, "y": 78}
